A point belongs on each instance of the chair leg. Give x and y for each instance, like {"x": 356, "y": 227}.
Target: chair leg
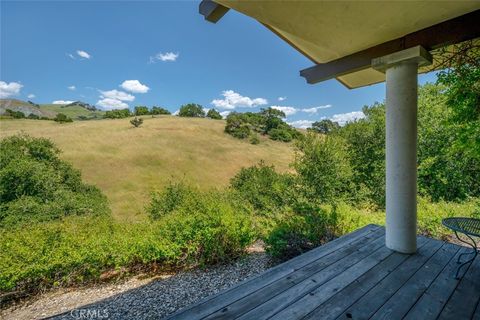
{"x": 469, "y": 261}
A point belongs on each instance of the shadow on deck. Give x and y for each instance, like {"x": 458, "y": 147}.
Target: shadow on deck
{"x": 354, "y": 277}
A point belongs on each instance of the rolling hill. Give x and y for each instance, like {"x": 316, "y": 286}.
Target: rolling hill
{"x": 25, "y": 107}
{"x": 77, "y": 110}
{"x": 128, "y": 163}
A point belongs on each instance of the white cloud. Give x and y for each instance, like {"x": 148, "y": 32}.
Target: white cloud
{"x": 9, "y": 89}
{"x": 224, "y": 114}
{"x": 72, "y": 88}
{"x": 176, "y": 113}
{"x": 110, "y": 104}
{"x": 287, "y": 110}
{"x": 302, "y": 124}
{"x": 83, "y": 54}
{"x": 167, "y": 56}
{"x": 62, "y": 101}
{"x": 233, "y": 100}
{"x": 343, "y": 118}
{"x": 117, "y": 95}
{"x": 134, "y": 86}
{"x": 282, "y": 98}
{"x": 315, "y": 109}
{"x": 31, "y": 96}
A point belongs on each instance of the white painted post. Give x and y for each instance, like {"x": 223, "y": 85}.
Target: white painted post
{"x": 401, "y": 145}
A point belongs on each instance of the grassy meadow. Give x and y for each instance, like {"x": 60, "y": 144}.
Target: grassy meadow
{"x": 128, "y": 163}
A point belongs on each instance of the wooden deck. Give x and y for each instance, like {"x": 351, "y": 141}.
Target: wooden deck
{"x": 354, "y": 277}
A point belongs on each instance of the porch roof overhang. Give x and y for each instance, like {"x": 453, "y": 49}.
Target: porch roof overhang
{"x": 342, "y": 37}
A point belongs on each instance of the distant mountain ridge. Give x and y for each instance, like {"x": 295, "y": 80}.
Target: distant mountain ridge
{"x": 26, "y": 108}
{"x": 77, "y": 110}
{"x": 83, "y": 105}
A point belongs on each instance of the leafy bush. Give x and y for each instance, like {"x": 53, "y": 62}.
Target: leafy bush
{"x": 238, "y": 125}
{"x": 191, "y": 110}
{"x": 117, "y": 114}
{"x": 323, "y": 167}
{"x": 324, "y": 126}
{"x": 136, "y": 122}
{"x": 214, "y": 114}
{"x": 141, "y": 110}
{"x": 365, "y": 139}
{"x": 254, "y": 139}
{"x": 159, "y": 110}
{"x": 35, "y": 185}
{"x": 265, "y": 189}
{"x": 62, "y": 118}
{"x": 280, "y": 134}
{"x": 33, "y": 116}
{"x": 304, "y": 229}
{"x": 14, "y": 114}
{"x": 167, "y": 200}
{"x": 267, "y": 121}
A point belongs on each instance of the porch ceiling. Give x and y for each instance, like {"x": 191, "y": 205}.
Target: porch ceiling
{"x": 326, "y": 31}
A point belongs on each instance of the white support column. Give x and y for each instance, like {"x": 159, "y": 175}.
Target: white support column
{"x": 401, "y": 70}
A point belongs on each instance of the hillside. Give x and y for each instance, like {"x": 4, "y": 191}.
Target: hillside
{"x": 128, "y": 163}
{"x": 25, "y": 107}
{"x": 77, "y": 110}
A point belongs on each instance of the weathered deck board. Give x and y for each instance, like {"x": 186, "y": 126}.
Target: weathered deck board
{"x": 436, "y": 296}
{"x": 354, "y": 277}
{"x": 464, "y": 300}
{"x": 341, "y": 298}
{"x": 323, "y": 265}
{"x": 400, "y": 302}
{"x": 222, "y": 299}
{"x": 366, "y": 306}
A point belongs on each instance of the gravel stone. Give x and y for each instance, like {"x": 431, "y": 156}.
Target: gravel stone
{"x": 152, "y": 298}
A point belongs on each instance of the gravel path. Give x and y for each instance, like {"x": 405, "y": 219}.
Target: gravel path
{"x": 152, "y": 298}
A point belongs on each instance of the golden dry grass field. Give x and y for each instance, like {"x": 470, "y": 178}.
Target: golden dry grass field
{"x": 127, "y": 163}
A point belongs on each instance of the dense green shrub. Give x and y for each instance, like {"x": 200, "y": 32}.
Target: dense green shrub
{"x": 280, "y": 134}
{"x": 264, "y": 188}
{"x": 191, "y": 110}
{"x": 171, "y": 197}
{"x": 267, "y": 121}
{"x": 365, "y": 139}
{"x": 117, "y": 114}
{"x": 33, "y": 116}
{"x": 214, "y": 114}
{"x": 323, "y": 167}
{"x": 14, "y": 114}
{"x": 324, "y": 126}
{"x": 238, "y": 125}
{"x": 35, "y": 185}
{"x": 141, "y": 111}
{"x": 136, "y": 122}
{"x": 306, "y": 228}
{"x": 159, "y": 110}
{"x": 62, "y": 118}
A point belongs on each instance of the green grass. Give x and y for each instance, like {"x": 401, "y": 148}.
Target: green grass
{"x": 128, "y": 163}
{"x": 73, "y": 112}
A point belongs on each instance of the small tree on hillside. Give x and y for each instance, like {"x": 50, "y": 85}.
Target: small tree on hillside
{"x": 141, "y": 110}
{"x": 159, "y": 110}
{"x": 60, "y": 117}
{"x": 214, "y": 114}
{"x": 136, "y": 122}
{"x": 191, "y": 110}
{"x": 325, "y": 126}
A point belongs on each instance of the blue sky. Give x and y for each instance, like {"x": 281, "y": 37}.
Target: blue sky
{"x": 114, "y": 54}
